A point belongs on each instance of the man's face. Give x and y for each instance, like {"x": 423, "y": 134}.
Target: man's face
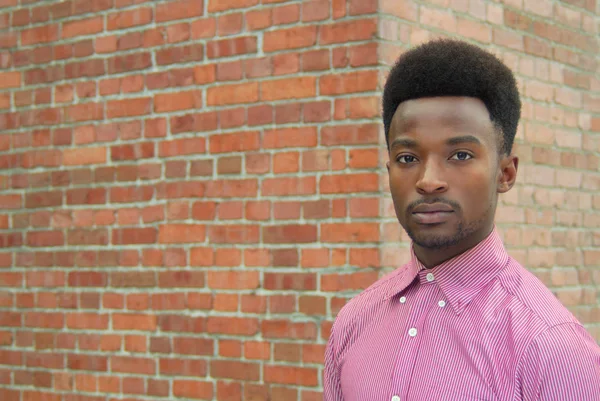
{"x": 445, "y": 171}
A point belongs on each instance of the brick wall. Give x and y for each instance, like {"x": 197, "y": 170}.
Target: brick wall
{"x": 192, "y": 189}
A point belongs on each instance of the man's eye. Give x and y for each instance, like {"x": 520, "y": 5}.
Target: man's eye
{"x": 405, "y": 159}
{"x": 461, "y": 156}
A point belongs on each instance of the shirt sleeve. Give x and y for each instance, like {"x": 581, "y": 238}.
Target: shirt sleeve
{"x": 563, "y": 363}
{"x": 332, "y": 388}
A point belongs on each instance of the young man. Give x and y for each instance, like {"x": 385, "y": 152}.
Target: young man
{"x": 462, "y": 320}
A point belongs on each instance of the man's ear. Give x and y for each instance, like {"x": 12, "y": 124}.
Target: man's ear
{"x": 508, "y": 173}
{"x": 387, "y": 164}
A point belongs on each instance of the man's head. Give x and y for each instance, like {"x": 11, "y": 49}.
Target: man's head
{"x": 450, "y": 112}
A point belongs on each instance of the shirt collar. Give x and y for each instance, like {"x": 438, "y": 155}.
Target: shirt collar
{"x": 459, "y": 278}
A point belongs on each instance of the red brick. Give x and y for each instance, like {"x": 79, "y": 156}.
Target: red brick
{"x": 204, "y": 74}
{"x": 87, "y": 279}
{"x": 343, "y": 32}
{"x": 257, "y": 210}
{"x": 229, "y": 165}
{"x": 364, "y": 207}
{"x": 289, "y": 186}
{"x": 288, "y": 162}
{"x": 231, "y": 47}
{"x": 178, "y": 10}
{"x": 350, "y": 232}
{"x": 235, "y": 370}
{"x": 291, "y": 375}
{"x": 10, "y": 79}
{"x": 178, "y": 32}
{"x": 295, "y": 88}
{"x": 290, "y": 137}
{"x": 233, "y": 280}
{"x": 127, "y": 364}
{"x": 230, "y": 71}
{"x": 362, "y": 81}
{"x": 317, "y": 111}
{"x": 132, "y": 279}
{"x": 166, "y": 102}
{"x": 87, "y": 237}
{"x": 312, "y": 305}
{"x": 136, "y": 151}
{"x": 286, "y": 14}
{"x": 350, "y": 135}
{"x": 42, "y": 34}
{"x": 87, "y": 321}
{"x": 181, "y": 233}
{"x": 354, "y": 281}
{"x": 129, "y": 62}
{"x": 223, "y": 5}
{"x": 193, "y": 346}
{"x": 315, "y": 10}
{"x": 203, "y": 28}
{"x": 231, "y": 118}
{"x": 290, "y": 281}
{"x": 286, "y": 329}
{"x": 127, "y": 19}
{"x": 131, "y": 194}
{"x": 45, "y": 238}
{"x": 195, "y": 389}
{"x": 194, "y": 122}
{"x": 84, "y": 112}
{"x": 182, "y": 367}
{"x": 286, "y": 210}
{"x": 282, "y": 234}
{"x": 284, "y": 257}
{"x": 128, "y": 107}
{"x": 129, "y": 236}
{"x": 180, "y": 54}
{"x": 229, "y": 24}
{"x": 235, "y": 142}
{"x": 86, "y": 196}
{"x": 181, "y": 147}
{"x": 232, "y": 94}
{"x": 232, "y": 234}
{"x": 181, "y": 278}
{"x": 290, "y": 38}
{"x": 86, "y": 26}
{"x": 358, "y": 7}
{"x": 258, "y": 19}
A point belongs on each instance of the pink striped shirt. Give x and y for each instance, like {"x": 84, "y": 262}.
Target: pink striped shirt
{"x": 476, "y": 327}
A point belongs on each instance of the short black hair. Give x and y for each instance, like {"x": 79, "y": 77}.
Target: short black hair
{"x": 448, "y": 67}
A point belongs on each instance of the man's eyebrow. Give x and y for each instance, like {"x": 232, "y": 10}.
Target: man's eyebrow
{"x": 404, "y": 143}
{"x": 457, "y": 140}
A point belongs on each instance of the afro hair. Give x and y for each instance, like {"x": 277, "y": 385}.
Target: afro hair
{"x": 447, "y": 67}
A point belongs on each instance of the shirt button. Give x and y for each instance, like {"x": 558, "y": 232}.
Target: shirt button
{"x": 430, "y": 277}
{"x": 442, "y": 304}
{"x": 412, "y": 332}
{"x": 402, "y": 300}
{"x": 395, "y": 398}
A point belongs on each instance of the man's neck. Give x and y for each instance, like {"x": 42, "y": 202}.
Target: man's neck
{"x": 432, "y": 257}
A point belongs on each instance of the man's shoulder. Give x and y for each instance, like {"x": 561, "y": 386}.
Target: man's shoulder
{"x": 366, "y": 300}
{"x": 532, "y": 297}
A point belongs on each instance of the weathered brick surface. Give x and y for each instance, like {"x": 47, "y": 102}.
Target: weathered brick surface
{"x": 192, "y": 189}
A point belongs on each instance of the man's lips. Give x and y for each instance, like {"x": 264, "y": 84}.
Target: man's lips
{"x": 435, "y": 213}
{"x": 432, "y": 208}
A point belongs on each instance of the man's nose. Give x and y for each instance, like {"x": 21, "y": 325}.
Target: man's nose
{"x": 432, "y": 179}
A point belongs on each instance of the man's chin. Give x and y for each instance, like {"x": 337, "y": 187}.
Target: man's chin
{"x": 429, "y": 239}
{"x": 436, "y": 242}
